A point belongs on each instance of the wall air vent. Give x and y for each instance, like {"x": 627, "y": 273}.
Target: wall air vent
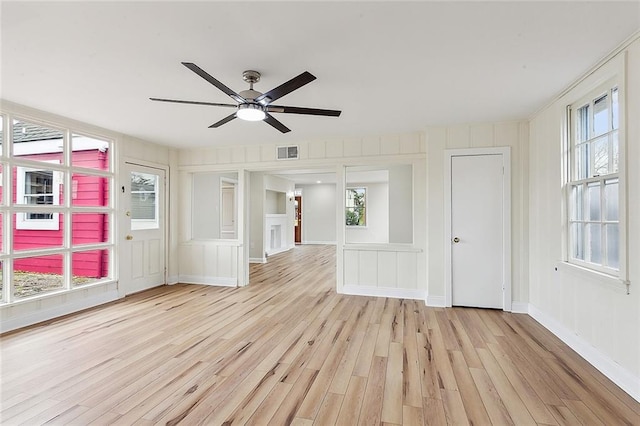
{"x": 287, "y": 152}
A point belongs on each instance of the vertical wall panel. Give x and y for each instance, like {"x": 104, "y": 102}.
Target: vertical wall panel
{"x": 387, "y": 269}
{"x": 351, "y": 267}
{"x": 368, "y": 268}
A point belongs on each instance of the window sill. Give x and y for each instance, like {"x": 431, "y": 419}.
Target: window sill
{"x": 608, "y": 280}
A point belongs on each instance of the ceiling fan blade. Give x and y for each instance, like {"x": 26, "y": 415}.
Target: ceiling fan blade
{"x": 285, "y": 88}
{"x": 193, "y": 102}
{"x": 223, "y": 121}
{"x": 202, "y": 73}
{"x": 300, "y": 110}
{"x": 275, "y": 123}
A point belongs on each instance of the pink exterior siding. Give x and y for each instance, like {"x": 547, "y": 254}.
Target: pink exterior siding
{"x": 87, "y": 228}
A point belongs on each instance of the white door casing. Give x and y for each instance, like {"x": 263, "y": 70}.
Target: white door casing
{"x": 477, "y": 216}
{"x": 143, "y": 240}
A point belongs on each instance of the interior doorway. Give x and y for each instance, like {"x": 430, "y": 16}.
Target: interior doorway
{"x": 478, "y": 228}
{"x": 297, "y": 223}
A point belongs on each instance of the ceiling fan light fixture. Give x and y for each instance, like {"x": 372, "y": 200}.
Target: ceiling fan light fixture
{"x": 250, "y": 112}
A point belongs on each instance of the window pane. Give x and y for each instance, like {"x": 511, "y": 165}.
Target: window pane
{"x": 28, "y": 234}
{"x": 90, "y": 191}
{"x": 594, "y": 243}
{"x": 89, "y": 152}
{"x": 611, "y": 199}
{"x": 600, "y": 116}
{"x": 600, "y": 151}
{"x": 89, "y": 228}
{"x": 577, "y": 204}
{"x": 89, "y": 266}
{"x": 582, "y": 126}
{"x": 1, "y": 132}
{"x": 37, "y": 275}
{"x": 615, "y": 152}
{"x": 1, "y": 233}
{"x": 144, "y": 209}
{"x": 613, "y": 246}
{"x": 356, "y": 207}
{"x": 593, "y": 191}
{"x": 615, "y": 108}
{"x": 1, "y": 282}
{"x": 583, "y": 161}
{"x": 577, "y": 240}
{"x": 37, "y": 142}
{"x": 1, "y": 185}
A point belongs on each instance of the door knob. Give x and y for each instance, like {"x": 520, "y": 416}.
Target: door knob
{"x": 456, "y": 240}
{"x": 129, "y": 237}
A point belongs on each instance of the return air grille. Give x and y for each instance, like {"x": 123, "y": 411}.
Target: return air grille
{"x": 287, "y": 152}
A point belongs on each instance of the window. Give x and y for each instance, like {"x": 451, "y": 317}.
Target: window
{"x": 593, "y": 196}
{"x": 144, "y": 209}
{"x": 61, "y": 236}
{"x": 37, "y": 187}
{"x": 356, "y": 207}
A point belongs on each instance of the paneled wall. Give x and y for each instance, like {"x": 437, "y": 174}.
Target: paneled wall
{"x": 511, "y": 134}
{"x": 383, "y": 270}
{"x": 591, "y": 312}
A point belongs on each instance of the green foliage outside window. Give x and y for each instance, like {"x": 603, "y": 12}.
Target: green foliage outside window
{"x": 356, "y": 207}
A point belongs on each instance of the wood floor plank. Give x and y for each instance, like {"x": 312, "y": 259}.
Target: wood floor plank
{"x": 288, "y": 349}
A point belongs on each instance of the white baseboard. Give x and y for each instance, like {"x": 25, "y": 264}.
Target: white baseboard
{"x": 257, "y": 260}
{"x": 614, "y": 371}
{"x": 216, "y": 281}
{"x": 436, "y": 301}
{"x": 57, "y": 311}
{"x": 320, "y": 243}
{"x": 395, "y": 293}
{"x": 278, "y": 251}
{"x": 519, "y": 307}
{"x": 173, "y": 280}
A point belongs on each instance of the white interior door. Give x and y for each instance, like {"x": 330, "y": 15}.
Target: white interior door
{"x": 143, "y": 245}
{"x": 477, "y": 235}
{"x": 228, "y": 211}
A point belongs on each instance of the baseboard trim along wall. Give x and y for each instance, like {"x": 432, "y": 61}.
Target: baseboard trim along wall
{"x": 616, "y": 373}
{"x": 395, "y": 293}
{"x": 173, "y": 280}
{"x": 215, "y": 281}
{"x": 436, "y": 301}
{"x": 257, "y": 260}
{"x": 74, "y": 306}
{"x": 320, "y": 243}
{"x": 519, "y": 307}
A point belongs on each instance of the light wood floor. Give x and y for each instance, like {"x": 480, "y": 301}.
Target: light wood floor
{"x": 289, "y": 350}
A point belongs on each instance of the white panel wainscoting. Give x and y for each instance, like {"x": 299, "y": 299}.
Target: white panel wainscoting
{"x": 383, "y": 270}
{"x": 210, "y": 262}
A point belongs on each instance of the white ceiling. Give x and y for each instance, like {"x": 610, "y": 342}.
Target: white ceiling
{"x": 389, "y": 66}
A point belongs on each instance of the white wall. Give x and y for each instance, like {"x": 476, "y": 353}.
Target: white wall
{"x": 592, "y": 313}
{"x": 377, "y": 204}
{"x": 401, "y": 204}
{"x": 318, "y": 213}
{"x": 511, "y": 134}
{"x": 206, "y": 206}
{"x": 256, "y": 217}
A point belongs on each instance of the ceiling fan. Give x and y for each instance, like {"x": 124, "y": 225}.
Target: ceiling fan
{"x": 253, "y": 105}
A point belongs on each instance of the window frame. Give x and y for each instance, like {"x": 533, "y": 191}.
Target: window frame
{"x": 347, "y": 208}
{"x": 572, "y": 179}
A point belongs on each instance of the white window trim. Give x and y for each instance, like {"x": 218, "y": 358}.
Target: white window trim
{"x": 616, "y": 77}
{"x": 22, "y": 222}
{"x": 366, "y": 207}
